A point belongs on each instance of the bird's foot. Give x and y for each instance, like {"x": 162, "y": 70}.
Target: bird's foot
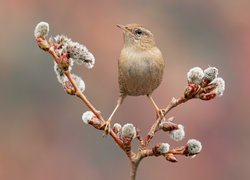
{"x": 107, "y": 127}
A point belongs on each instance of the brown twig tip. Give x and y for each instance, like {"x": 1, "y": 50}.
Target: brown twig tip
{"x": 171, "y": 158}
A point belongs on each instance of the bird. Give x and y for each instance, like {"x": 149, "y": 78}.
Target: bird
{"x": 140, "y": 66}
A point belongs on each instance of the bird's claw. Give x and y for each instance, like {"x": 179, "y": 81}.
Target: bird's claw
{"x": 107, "y": 128}
{"x": 160, "y": 113}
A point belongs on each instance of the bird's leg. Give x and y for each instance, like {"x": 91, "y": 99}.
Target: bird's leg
{"x": 108, "y": 122}
{"x": 160, "y": 112}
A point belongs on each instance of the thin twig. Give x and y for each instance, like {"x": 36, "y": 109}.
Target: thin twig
{"x": 53, "y": 53}
{"x": 92, "y": 108}
{"x": 173, "y": 103}
{"x": 79, "y": 94}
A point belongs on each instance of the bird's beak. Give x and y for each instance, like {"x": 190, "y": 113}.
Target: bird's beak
{"x": 122, "y": 27}
{"x": 125, "y": 30}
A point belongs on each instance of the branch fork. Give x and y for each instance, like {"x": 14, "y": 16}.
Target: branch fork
{"x": 202, "y": 84}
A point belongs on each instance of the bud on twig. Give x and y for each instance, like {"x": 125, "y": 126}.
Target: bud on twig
{"x": 168, "y": 126}
{"x": 79, "y": 82}
{"x": 76, "y": 51}
{"x": 209, "y": 75}
{"x": 68, "y": 87}
{"x": 195, "y": 75}
{"x": 204, "y": 85}
{"x": 161, "y": 149}
{"x": 117, "y": 129}
{"x": 80, "y": 54}
{"x": 170, "y": 157}
{"x": 62, "y": 41}
{"x": 177, "y": 134}
{"x": 213, "y": 89}
{"x": 220, "y": 86}
{"x": 191, "y": 90}
{"x": 59, "y": 73}
{"x": 128, "y": 131}
{"x": 176, "y": 131}
{"x": 193, "y": 147}
{"x": 89, "y": 118}
{"x": 42, "y": 43}
{"x": 41, "y": 30}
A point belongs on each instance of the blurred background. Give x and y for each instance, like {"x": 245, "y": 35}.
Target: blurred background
{"x": 41, "y": 132}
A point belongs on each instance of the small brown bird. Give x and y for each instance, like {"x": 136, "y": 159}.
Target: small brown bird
{"x": 140, "y": 66}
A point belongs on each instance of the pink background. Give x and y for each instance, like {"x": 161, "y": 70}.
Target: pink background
{"x": 41, "y": 132}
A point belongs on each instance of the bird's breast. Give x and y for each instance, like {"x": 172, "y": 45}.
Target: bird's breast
{"x": 140, "y": 72}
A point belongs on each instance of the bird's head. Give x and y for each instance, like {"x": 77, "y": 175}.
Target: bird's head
{"x": 137, "y": 36}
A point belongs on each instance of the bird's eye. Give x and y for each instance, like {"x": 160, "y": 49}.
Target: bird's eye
{"x": 138, "y": 32}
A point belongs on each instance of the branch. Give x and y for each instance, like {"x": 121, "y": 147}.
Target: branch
{"x": 173, "y": 103}
{"x": 80, "y": 95}
{"x": 204, "y": 85}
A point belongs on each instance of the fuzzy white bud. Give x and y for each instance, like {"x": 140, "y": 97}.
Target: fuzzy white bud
{"x": 211, "y": 73}
{"x": 87, "y": 116}
{"x": 117, "y": 127}
{"x": 62, "y": 40}
{"x": 195, "y": 75}
{"x": 80, "y": 54}
{"x": 193, "y": 146}
{"x": 164, "y": 148}
{"x": 177, "y": 134}
{"x": 77, "y": 52}
{"x": 220, "y": 86}
{"x": 79, "y": 82}
{"x": 128, "y": 131}
{"x": 59, "y": 73}
{"x": 41, "y": 29}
